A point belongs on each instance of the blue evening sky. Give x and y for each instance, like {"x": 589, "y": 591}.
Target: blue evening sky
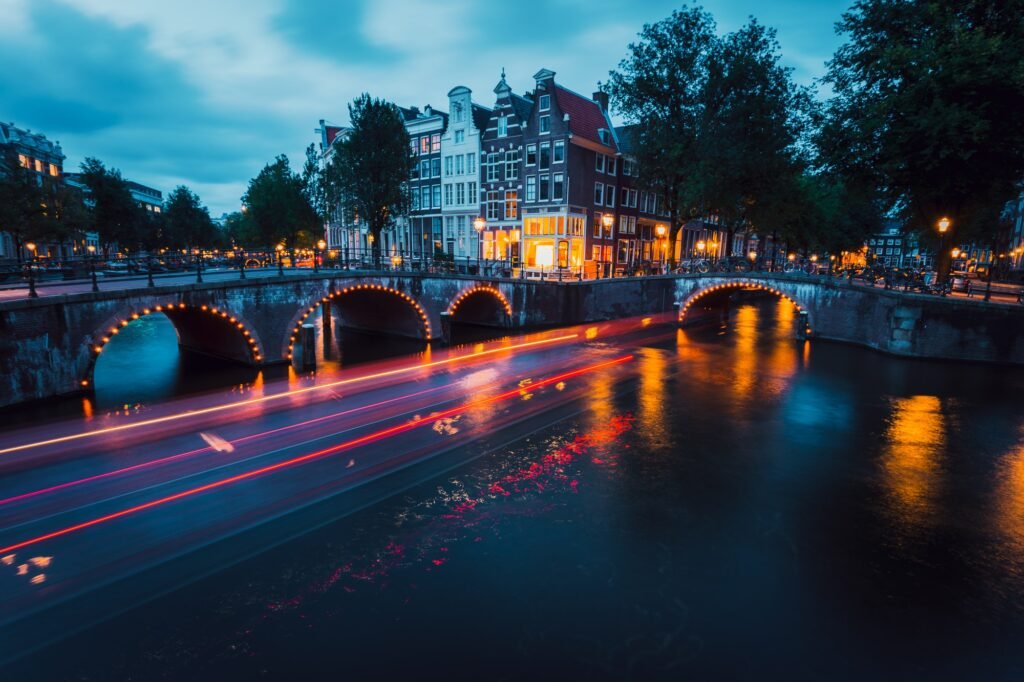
{"x": 204, "y": 92}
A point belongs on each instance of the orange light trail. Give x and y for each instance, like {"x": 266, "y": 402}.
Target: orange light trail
{"x": 302, "y": 459}
{"x": 243, "y": 439}
{"x": 278, "y": 396}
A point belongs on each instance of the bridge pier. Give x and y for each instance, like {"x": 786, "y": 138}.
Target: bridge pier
{"x": 307, "y": 347}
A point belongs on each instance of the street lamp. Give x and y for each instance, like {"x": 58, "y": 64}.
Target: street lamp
{"x": 198, "y": 253}
{"x": 752, "y": 255}
{"x": 280, "y": 263}
{"x": 31, "y": 274}
{"x": 479, "y": 224}
{"x": 607, "y": 220}
{"x": 92, "y": 266}
{"x": 320, "y": 245}
{"x": 943, "y": 226}
{"x": 660, "y": 231}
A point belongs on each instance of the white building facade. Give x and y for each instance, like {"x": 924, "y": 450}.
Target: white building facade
{"x": 460, "y": 154}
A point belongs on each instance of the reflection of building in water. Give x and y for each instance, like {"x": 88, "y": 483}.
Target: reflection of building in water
{"x": 915, "y": 441}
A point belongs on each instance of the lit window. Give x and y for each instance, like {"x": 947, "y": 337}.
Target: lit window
{"x": 53, "y": 170}
{"x": 511, "y": 206}
{"x": 24, "y": 161}
{"x": 424, "y": 145}
{"x": 435, "y": 142}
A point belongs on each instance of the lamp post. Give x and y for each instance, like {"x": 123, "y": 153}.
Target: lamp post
{"x": 320, "y": 246}
{"x": 31, "y": 272}
{"x": 607, "y": 220}
{"x": 943, "y": 227}
{"x": 198, "y": 253}
{"x": 700, "y": 247}
{"x": 92, "y": 266}
{"x": 479, "y": 224}
{"x": 660, "y": 231}
{"x": 280, "y": 263}
{"x": 752, "y": 255}
{"x": 149, "y": 270}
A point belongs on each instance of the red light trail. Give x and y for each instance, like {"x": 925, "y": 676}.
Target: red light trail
{"x": 278, "y": 396}
{"x": 182, "y": 455}
{"x": 319, "y": 454}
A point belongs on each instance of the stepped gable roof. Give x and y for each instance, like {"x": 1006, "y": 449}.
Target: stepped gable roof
{"x": 585, "y": 116}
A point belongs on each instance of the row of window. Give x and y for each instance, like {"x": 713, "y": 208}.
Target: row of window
{"x": 426, "y": 169}
{"x": 882, "y": 242}
{"x": 499, "y": 208}
{"x": 457, "y": 223}
{"x": 38, "y": 166}
{"x": 460, "y": 164}
{"x": 426, "y": 198}
{"x": 556, "y": 224}
{"x": 605, "y": 164}
{"x": 426, "y": 144}
{"x": 545, "y": 187}
{"x": 460, "y": 194}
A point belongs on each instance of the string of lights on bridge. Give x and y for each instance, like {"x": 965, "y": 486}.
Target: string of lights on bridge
{"x": 251, "y": 342}
{"x": 347, "y": 290}
{"x": 737, "y": 285}
{"x": 482, "y": 288}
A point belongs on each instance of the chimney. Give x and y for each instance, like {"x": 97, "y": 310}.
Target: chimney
{"x": 428, "y": 111}
{"x": 602, "y": 99}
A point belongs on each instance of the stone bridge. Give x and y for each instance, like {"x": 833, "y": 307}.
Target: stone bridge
{"x": 49, "y": 346}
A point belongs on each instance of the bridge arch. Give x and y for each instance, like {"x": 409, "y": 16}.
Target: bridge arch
{"x": 201, "y": 327}
{"x": 738, "y": 284}
{"x": 362, "y": 301}
{"x": 481, "y": 304}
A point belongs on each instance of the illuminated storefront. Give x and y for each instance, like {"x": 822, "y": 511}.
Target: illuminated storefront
{"x": 553, "y": 241}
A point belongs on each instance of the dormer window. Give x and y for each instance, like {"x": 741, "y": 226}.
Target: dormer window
{"x": 603, "y": 134}
{"x": 545, "y": 102}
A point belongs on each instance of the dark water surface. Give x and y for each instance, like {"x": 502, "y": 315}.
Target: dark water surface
{"x": 747, "y": 506}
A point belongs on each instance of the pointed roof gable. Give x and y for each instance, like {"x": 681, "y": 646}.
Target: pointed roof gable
{"x": 522, "y": 106}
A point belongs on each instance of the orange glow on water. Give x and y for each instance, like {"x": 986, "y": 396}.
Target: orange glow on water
{"x": 915, "y": 441}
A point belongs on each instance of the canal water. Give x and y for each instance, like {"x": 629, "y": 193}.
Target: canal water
{"x": 749, "y": 506}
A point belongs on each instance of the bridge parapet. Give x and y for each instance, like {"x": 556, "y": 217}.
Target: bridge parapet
{"x": 48, "y": 345}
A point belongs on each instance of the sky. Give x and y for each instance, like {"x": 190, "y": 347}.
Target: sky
{"x": 205, "y": 92}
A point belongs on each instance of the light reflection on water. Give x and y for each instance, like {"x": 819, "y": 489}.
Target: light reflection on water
{"x": 775, "y": 509}
{"x": 912, "y": 458}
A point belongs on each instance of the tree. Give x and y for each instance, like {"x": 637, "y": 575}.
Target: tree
{"x": 928, "y": 95}
{"x": 660, "y": 88}
{"x": 63, "y": 215}
{"x": 278, "y": 208}
{"x": 187, "y": 222}
{"x": 20, "y": 198}
{"x": 749, "y": 137}
{"x": 118, "y": 219}
{"x": 371, "y": 167}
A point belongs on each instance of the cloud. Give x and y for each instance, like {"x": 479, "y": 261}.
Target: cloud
{"x": 204, "y": 93}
